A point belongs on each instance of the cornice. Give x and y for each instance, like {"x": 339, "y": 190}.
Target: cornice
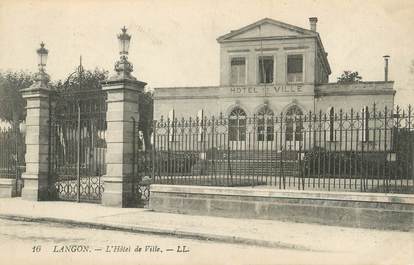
{"x": 270, "y": 38}
{"x": 319, "y": 93}
{"x": 232, "y": 96}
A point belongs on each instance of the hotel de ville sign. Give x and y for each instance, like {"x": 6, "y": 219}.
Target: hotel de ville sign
{"x": 269, "y": 89}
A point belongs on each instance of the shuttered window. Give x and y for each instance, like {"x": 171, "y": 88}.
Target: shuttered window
{"x": 295, "y": 68}
{"x": 238, "y": 71}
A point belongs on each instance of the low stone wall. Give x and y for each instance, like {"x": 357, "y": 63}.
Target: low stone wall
{"x": 7, "y": 188}
{"x": 365, "y": 210}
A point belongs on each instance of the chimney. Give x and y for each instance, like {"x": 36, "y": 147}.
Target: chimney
{"x": 312, "y": 22}
{"x": 386, "y": 58}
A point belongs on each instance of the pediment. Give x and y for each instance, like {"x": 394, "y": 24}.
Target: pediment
{"x": 266, "y": 28}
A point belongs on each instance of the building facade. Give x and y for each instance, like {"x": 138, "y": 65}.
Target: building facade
{"x": 274, "y": 65}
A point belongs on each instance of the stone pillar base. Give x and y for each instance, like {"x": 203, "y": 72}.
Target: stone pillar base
{"x": 8, "y": 188}
{"x": 112, "y": 196}
{"x": 32, "y": 191}
{"x": 117, "y": 194}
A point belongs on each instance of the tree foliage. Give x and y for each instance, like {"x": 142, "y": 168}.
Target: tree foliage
{"x": 88, "y": 80}
{"x": 81, "y": 86}
{"x": 349, "y": 77}
{"x": 12, "y": 104}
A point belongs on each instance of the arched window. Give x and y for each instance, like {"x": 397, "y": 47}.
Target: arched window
{"x": 294, "y": 124}
{"x": 237, "y": 125}
{"x": 265, "y": 127}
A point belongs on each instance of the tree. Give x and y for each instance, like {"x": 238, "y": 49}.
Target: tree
{"x": 12, "y": 104}
{"x": 349, "y": 77}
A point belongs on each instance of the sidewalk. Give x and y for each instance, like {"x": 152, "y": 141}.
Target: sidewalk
{"x": 265, "y": 233}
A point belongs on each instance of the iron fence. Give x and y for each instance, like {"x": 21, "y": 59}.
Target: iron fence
{"x": 12, "y": 152}
{"x": 369, "y": 150}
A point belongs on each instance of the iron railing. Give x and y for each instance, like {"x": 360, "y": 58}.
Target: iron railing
{"x": 370, "y": 151}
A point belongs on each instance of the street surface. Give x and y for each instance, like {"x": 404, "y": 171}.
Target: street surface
{"x": 45, "y": 243}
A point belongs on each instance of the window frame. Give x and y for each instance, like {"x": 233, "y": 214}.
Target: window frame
{"x": 303, "y": 66}
{"x": 201, "y": 125}
{"x": 331, "y": 122}
{"x": 245, "y": 57}
{"x": 238, "y": 127}
{"x": 292, "y": 124}
{"x": 172, "y": 128}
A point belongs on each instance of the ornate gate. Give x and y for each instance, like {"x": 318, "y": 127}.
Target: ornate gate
{"x": 77, "y": 142}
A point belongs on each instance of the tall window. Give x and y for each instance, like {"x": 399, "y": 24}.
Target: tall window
{"x": 364, "y": 124}
{"x": 172, "y": 130}
{"x": 294, "y": 124}
{"x": 201, "y": 125}
{"x": 265, "y": 127}
{"x": 331, "y": 124}
{"x": 238, "y": 71}
{"x": 266, "y": 69}
{"x": 237, "y": 125}
{"x": 295, "y": 68}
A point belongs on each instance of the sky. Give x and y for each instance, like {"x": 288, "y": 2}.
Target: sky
{"x": 174, "y": 41}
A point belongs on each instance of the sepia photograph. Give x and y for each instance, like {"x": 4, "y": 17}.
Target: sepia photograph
{"x": 207, "y": 132}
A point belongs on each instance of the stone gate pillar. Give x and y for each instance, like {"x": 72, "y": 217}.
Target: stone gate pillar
{"x": 37, "y": 139}
{"x": 123, "y": 93}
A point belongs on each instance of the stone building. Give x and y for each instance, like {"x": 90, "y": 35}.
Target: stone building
{"x": 274, "y": 65}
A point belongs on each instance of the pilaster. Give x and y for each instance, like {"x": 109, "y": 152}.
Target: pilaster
{"x": 122, "y": 109}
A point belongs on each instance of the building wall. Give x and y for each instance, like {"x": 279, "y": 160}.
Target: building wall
{"x": 355, "y": 96}
{"x": 186, "y": 102}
